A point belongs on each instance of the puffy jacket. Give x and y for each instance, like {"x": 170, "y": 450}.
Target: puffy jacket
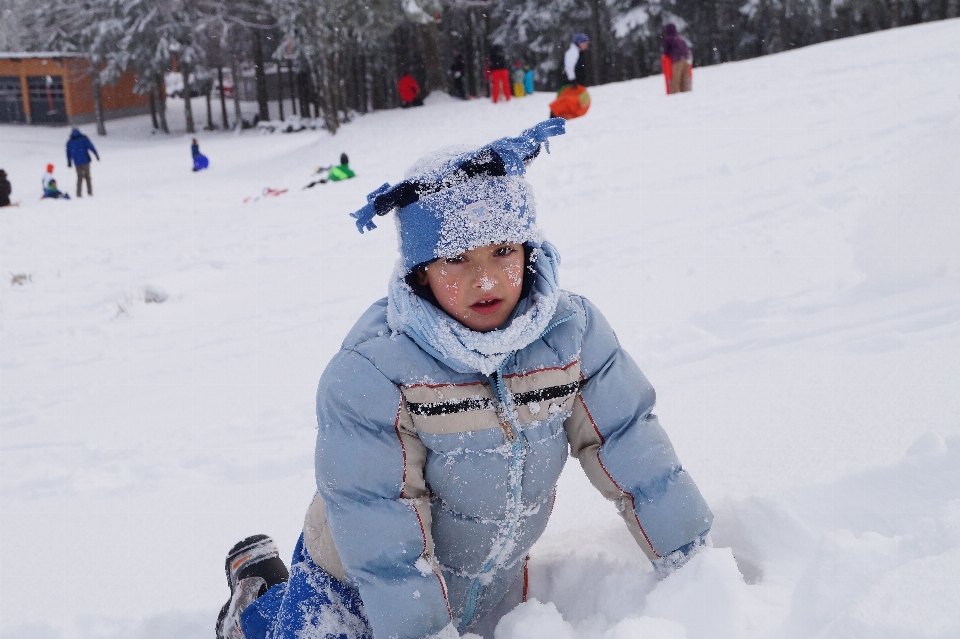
{"x": 673, "y": 46}
{"x": 434, "y": 481}
{"x": 408, "y": 88}
{"x": 575, "y": 65}
{"x": 340, "y": 172}
{"x": 79, "y": 148}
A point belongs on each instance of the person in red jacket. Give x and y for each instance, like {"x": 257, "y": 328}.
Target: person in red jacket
{"x": 409, "y": 91}
{"x": 499, "y": 75}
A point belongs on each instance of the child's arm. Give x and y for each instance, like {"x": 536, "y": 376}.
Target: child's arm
{"x": 370, "y": 473}
{"x": 624, "y": 450}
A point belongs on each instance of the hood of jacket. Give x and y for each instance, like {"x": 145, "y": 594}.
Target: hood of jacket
{"x": 465, "y": 350}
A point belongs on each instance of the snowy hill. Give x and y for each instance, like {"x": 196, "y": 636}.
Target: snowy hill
{"x": 779, "y": 250}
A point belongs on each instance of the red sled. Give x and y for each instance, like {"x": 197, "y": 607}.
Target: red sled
{"x": 667, "y": 65}
{"x": 571, "y": 102}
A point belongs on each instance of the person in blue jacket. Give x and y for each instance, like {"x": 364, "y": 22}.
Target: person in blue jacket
{"x": 446, "y": 418}
{"x": 200, "y": 161}
{"x": 79, "y": 148}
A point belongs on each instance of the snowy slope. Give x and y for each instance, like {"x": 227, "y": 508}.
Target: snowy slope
{"x": 780, "y": 251}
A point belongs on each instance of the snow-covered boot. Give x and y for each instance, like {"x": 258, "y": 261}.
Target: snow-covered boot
{"x": 253, "y": 566}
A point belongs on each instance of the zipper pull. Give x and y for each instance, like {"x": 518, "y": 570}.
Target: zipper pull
{"x": 500, "y": 393}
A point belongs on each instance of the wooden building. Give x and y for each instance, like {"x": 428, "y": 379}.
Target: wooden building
{"x": 57, "y": 88}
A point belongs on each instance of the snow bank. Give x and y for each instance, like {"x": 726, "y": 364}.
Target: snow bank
{"x": 778, "y": 249}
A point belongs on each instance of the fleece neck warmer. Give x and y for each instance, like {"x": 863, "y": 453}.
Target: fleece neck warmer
{"x": 465, "y": 350}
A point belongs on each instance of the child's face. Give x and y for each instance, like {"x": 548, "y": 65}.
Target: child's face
{"x": 478, "y": 288}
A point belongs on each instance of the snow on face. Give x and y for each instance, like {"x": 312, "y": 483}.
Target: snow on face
{"x": 480, "y": 287}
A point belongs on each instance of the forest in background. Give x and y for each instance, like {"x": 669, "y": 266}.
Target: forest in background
{"x": 341, "y": 57}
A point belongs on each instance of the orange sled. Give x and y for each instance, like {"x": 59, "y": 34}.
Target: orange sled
{"x": 572, "y": 102}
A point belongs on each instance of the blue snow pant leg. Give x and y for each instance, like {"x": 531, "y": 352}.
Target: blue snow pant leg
{"x": 311, "y": 604}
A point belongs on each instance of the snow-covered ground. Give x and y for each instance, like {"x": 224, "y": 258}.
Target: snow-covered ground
{"x": 779, "y": 249}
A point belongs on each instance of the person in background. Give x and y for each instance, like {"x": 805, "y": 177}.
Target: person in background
{"x": 5, "y": 189}
{"x": 499, "y": 75}
{"x": 575, "y": 60}
{"x": 517, "y": 77}
{"x": 50, "y": 189}
{"x": 200, "y": 161}
{"x": 409, "y": 91}
{"x": 677, "y": 61}
{"x": 458, "y": 68}
{"x": 79, "y": 148}
{"x": 528, "y": 81}
{"x": 336, "y": 173}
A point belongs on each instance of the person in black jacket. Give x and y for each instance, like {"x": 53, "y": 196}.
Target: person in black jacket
{"x": 458, "y": 68}
{"x": 5, "y": 189}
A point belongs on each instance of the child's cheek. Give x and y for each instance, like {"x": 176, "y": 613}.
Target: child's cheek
{"x": 515, "y": 275}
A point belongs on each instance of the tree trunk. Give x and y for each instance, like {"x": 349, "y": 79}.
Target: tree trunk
{"x": 431, "y": 56}
{"x": 328, "y": 112}
{"x": 98, "y": 101}
{"x": 153, "y": 109}
{"x": 261, "y": 76}
{"x": 162, "y": 104}
{"x": 304, "y": 92}
{"x": 210, "y": 126}
{"x": 597, "y": 66}
{"x": 223, "y": 98}
{"x": 237, "y": 113}
{"x": 280, "y": 91}
{"x": 367, "y": 82}
{"x": 293, "y": 88}
{"x": 187, "y": 106}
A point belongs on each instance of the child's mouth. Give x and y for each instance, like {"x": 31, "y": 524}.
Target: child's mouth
{"x": 487, "y": 306}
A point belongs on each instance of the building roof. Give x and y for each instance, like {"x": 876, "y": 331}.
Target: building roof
{"x": 7, "y": 55}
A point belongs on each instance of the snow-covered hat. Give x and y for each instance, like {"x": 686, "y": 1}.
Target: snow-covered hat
{"x": 453, "y": 202}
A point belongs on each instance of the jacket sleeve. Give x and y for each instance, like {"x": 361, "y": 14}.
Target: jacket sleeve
{"x": 92, "y": 148}
{"x": 570, "y": 59}
{"x": 624, "y": 450}
{"x": 370, "y": 473}
{"x": 69, "y": 159}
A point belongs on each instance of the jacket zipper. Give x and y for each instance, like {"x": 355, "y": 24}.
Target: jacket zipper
{"x": 516, "y": 449}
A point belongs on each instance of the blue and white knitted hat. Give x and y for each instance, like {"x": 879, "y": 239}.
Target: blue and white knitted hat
{"x": 464, "y": 200}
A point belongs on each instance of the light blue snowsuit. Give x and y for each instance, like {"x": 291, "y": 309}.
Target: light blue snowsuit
{"x": 435, "y": 479}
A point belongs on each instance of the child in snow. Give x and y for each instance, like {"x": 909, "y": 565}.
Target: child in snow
{"x": 335, "y": 173}
{"x": 200, "y": 161}
{"x": 409, "y": 90}
{"x": 446, "y": 419}
{"x": 5, "y": 189}
{"x": 517, "y": 77}
{"x": 50, "y": 189}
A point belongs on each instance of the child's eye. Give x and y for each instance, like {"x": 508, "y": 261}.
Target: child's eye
{"x": 456, "y": 260}
{"x": 504, "y": 251}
